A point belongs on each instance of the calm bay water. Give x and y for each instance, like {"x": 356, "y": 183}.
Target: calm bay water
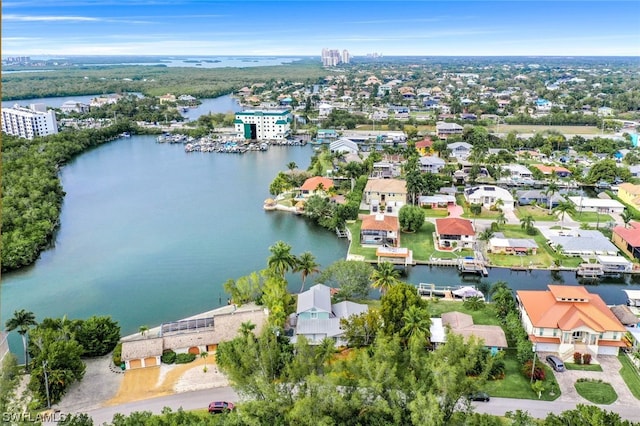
{"x": 150, "y": 234}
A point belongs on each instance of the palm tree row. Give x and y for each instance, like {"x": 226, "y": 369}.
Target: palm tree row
{"x": 282, "y": 261}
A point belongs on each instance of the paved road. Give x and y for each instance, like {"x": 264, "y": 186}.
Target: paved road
{"x": 200, "y": 399}
{"x": 187, "y": 400}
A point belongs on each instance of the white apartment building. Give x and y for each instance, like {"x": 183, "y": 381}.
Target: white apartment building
{"x": 29, "y": 122}
{"x": 263, "y": 125}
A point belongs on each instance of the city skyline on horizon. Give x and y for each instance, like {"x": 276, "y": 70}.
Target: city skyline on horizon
{"x": 271, "y": 28}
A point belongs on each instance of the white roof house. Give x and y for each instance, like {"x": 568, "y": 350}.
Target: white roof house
{"x": 431, "y": 164}
{"x": 344, "y": 145}
{"x": 317, "y": 319}
{"x": 582, "y": 242}
{"x": 600, "y": 205}
{"x": 518, "y": 170}
{"x": 460, "y": 150}
{"x": 614, "y": 263}
{"x": 488, "y": 195}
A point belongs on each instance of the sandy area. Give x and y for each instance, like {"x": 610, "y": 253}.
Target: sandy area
{"x": 151, "y": 382}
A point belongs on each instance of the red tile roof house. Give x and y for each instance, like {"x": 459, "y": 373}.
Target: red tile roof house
{"x": 453, "y": 232}
{"x": 568, "y": 319}
{"x": 548, "y": 170}
{"x": 380, "y": 229}
{"x": 628, "y": 239}
{"x": 311, "y": 186}
{"x": 424, "y": 146}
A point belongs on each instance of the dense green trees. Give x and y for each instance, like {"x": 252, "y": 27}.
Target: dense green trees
{"x": 351, "y": 278}
{"x": 411, "y": 218}
{"x": 98, "y": 335}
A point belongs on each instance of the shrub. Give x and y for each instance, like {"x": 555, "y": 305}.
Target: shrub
{"x": 184, "y": 358}
{"x": 577, "y": 357}
{"x": 168, "y": 357}
{"x": 116, "y": 356}
{"x": 586, "y": 359}
{"x": 538, "y": 371}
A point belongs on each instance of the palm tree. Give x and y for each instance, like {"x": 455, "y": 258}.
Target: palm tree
{"x": 563, "y": 208}
{"x": 22, "y": 321}
{"x": 526, "y": 222}
{"x": 501, "y": 220}
{"x": 626, "y": 217}
{"x": 485, "y": 236}
{"x": 385, "y": 276}
{"x": 143, "y": 329}
{"x": 475, "y": 210}
{"x": 417, "y": 325}
{"x": 306, "y": 264}
{"x": 474, "y": 303}
{"x": 204, "y": 356}
{"x": 281, "y": 259}
{"x": 246, "y": 328}
{"x": 551, "y": 189}
{"x": 292, "y": 165}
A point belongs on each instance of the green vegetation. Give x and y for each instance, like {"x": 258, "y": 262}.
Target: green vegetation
{"x": 582, "y": 367}
{"x": 592, "y": 217}
{"x": 596, "y": 391}
{"x": 152, "y": 80}
{"x": 185, "y": 358}
{"x": 516, "y": 385}
{"x": 630, "y": 375}
{"x": 538, "y": 214}
{"x": 168, "y": 357}
{"x": 486, "y": 315}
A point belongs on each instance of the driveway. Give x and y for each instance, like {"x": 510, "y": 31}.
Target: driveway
{"x": 455, "y": 210}
{"x": 610, "y": 374}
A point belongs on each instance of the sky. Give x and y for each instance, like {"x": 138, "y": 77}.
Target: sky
{"x": 304, "y": 27}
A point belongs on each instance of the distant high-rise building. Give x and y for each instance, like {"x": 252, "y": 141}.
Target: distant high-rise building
{"x": 29, "y": 122}
{"x": 346, "y": 58}
{"x": 332, "y": 57}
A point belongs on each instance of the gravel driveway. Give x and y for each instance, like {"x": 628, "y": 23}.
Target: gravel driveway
{"x": 100, "y": 383}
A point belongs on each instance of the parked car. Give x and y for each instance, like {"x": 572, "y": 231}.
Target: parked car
{"x": 217, "y": 407}
{"x": 479, "y": 396}
{"x": 555, "y": 362}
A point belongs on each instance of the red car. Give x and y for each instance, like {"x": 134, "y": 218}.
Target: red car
{"x": 217, "y": 407}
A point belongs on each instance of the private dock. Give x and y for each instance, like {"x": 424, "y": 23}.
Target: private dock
{"x": 473, "y": 266}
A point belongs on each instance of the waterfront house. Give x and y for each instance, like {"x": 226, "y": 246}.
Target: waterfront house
{"x": 627, "y": 239}
{"x": 460, "y": 323}
{"x": 580, "y": 242}
{"x": 528, "y": 196}
{"x": 453, "y": 232}
{"x": 384, "y": 170}
{"x": 344, "y": 145}
{"x": 73, "y": 106}
{"x": 317, "y": 319}
{"x": 629, "y": 193}
{"x": 167, "y": 99}
{"x": 488, "y": 196}
{"x": 380, "y": 229}
{"x": 614, "y": 264}
{"x": 326, "y": 135}
{"x": 192, "y": 335}
{"x": 437, "y": 201}
{"x": 444, "y": 129}
{"x": 517, "y": 171}
{"x": 460, "y": 150}
{"x": 385, "y": 192}
{"x": 517, "y": 246}
{"x": 316, "y": 185}
{"x": 559, "y": 171}
{"x": 569, "y": 319}
{"x": 600, "y": 205}
{"x": 431, "y": 164}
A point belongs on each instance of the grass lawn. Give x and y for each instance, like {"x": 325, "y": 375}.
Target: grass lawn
{"x": 592, "y": 217}
{"x": 420, "y": 242}
{"x": 516, "y": 385}
{"x": 539, "y": 214}
{"x": 583, "y": 367}
{"x": 543, "y": 259}
{"x": 485, "y": 316}
{"x": 484, "y": 214}
{"x": 435, "y": 212}
{"x": 630, "y": 375}
{"x": 596, "y": 391}
{"x": 533, "y": 128}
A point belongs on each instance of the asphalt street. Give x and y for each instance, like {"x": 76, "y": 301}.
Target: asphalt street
{"x": 201, "y": 399}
